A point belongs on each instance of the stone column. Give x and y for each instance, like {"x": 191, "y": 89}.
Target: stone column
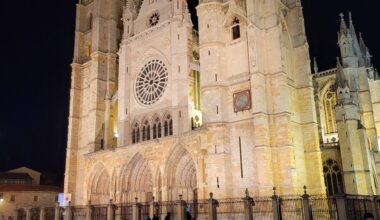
{"x": 89, "y": 211}
{"x": 15, "y": 214}
{"x": 212, "y": 204}
{"x": 306, "y": 205}
{"x": 57, "y": 211}
{"x": 276, "y": 205}
{"x": 181, "y": 207}
{"x": 136, "y": 212}
{"x": 111, "y": 210}
{"x": 248, "y": 204}
{"x": 42, "y": 213}
{"x": 28, "y": 213}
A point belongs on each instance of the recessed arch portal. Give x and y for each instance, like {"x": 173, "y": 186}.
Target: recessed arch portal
{"x": 136, "y": 180}
{"x": 100, "y": 183}
{"x": 181, "y": 175}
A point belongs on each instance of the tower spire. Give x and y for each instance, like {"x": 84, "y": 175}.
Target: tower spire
{"x": 315, "y": 65}
{"x": 343, "y": 25}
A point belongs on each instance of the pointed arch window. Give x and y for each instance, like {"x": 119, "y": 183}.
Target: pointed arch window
{"x": 136, "y": 133}
{"x": 333, "y": 177}
{"x": 157, "y": 129}
{"x": 235, "y": 28}
{"x": 146, "y": 131}
{"x": 168, "y": 126}
{"x": 329, "y": 102}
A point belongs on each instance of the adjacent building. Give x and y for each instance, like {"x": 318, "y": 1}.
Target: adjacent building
{"x": 21, "y": 192}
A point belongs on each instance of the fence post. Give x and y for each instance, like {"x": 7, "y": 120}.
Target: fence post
{"x": 181, "y": 207}
{"x": 276, "y": 205}
{"x": 57, "y": 211}
{"x": 341, "y": 204}
{"x": 306, "y": 205}
{"x": 111, "y": 211}
{"x": 212, "y": 204}
{"x": 68, "y": 212}
{"x": 136, "y": 212}
{"x": 89, "y": 210}
{"x": 248, "y": 204}
{"x": 153, "y": 211}
{"x": 42, "y": 213}
{"x": 375, "y": 206}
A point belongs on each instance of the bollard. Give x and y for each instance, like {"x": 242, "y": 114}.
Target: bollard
{"x": 136, "y": 213}
{"x": 276, "y": 205}
{"x": 306, "y": 205}
{"x": 212, "y": 205}
{"x": 248, "y": 206}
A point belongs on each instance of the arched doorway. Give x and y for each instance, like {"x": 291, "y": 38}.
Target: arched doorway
{"x": 136, "y": 180}
{"x": 181, "y": 176}
{"x": 100, "y": 183}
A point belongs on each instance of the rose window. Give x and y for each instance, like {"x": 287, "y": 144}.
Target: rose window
{"x": 153, "y": 20}
{"x": 151, "y": 82}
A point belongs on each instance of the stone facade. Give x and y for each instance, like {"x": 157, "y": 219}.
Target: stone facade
{"x": 158, "y": 110}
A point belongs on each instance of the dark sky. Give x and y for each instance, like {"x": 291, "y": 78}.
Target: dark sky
{"x": 36, "y": 44}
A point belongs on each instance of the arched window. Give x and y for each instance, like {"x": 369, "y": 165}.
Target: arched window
{"x": 235, "y": 29}
{"x": 157, "y": 128}
{"x": 168, "y": 126}
{"x": 329, "y": 102}
{"x": 146, "y": 131}
{"x": 136, "y": 133}
{"x": 333, "y": 177}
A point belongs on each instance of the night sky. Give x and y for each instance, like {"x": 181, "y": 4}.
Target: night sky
{"x": 36, "y": 44}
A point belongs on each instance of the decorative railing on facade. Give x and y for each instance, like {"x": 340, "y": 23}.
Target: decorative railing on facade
{"x": 305, "y": 207}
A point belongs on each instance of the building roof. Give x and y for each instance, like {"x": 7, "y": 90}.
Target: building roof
{"x": 15, "y": 176}
{"x": 30, "y": 188}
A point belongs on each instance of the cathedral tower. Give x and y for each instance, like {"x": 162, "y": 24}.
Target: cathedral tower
{"x": 94, "y": 80}
{"x": 257, "y": 95}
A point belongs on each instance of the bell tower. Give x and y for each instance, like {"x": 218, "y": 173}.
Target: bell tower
{"x": 257, "y": 97}
{"x": 94, "y": 82}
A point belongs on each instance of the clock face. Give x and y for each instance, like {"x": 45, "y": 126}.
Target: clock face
{"x": 242, "y": 101}
{"x": 151, "y": 82}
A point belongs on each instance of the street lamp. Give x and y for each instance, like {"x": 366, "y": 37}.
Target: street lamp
{"x": 1, "y": 198}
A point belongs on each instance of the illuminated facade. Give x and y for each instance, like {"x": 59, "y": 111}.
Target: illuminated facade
{"x": 158, "y": 109}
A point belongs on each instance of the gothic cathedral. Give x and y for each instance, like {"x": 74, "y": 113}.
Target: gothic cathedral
{"x": 160, "y": 109}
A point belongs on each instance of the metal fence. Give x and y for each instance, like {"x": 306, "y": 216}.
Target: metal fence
{"x": 124, "y": 211}
{"x": 49, "y": 213}
{"x": 78, "y": 212}
{"x": 305, "y": 207}
{"x": 323, "y": 208}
